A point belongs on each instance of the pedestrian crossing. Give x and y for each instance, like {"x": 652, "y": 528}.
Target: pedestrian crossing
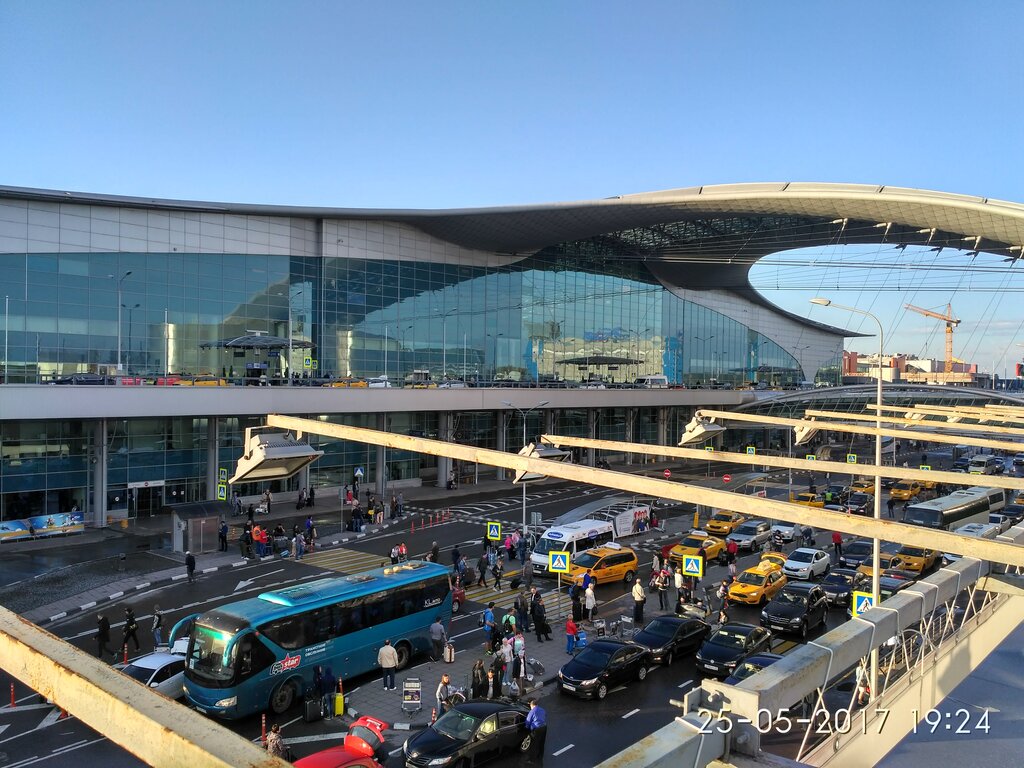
{"x": 346, "y": 560}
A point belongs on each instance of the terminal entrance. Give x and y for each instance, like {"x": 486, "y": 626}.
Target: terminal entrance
{"x": 146, "y": 500}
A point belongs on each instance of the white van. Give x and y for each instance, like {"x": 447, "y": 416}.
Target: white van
{"x": 651, "y": 382}
{"x": 572, "y": 538}
{"x": 977, "y": 530}
{"x": 986, "y": 465}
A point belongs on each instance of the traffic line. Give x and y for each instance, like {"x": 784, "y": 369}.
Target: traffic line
{"x": 685, "y": 684}
{"x": 564, "y": 749}
{"x": 630, "y": 713}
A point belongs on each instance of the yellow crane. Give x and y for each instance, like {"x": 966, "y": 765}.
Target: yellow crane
{"x": 951, "y": 323}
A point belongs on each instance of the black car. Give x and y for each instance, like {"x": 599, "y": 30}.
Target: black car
{"x": 751, "y": 665}
{"x": 470, "y": 734}
{"x": 860, "y": 503}
{"x": 841, "y": 583}
{"x": 85, "y": 378}
{"x": 1013, "y": 512}
{"x": 601, "y": 666}
{"x": 798, "y": 607}
{"x": 886, "y": 588}
{"x": 729, "y": 645}
{"x": 961, "y": 464}
{"x": 855, "y": 553}
{"x": 670, "y": 636}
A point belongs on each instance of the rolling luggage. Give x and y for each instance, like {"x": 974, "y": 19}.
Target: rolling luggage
{"x": 312, "y": 709}
{"x": 449, "y": 653}
{"x": 536, "y": 666}
{"x": 515, "y": 582}
{"x": 581, "y": 639}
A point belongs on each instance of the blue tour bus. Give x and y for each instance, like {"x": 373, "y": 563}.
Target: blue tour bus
{"x": 259, "y": 653}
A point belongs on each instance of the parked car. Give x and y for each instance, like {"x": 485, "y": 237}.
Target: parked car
{"x": 693, "y": 543}
{"x": 886, "y": 560}
{"x": 757, "y": 585}
{"x": 751, "y": 535}
{"x": 839, "y": 493}
{"x": 606, "y": 564}
{"x": 863, "y": 485}
{"x": 1018, "y": 460}
{"x": 163, "y": 671}
{"x": 730, "y": 645}
{"x": 752, "y": 665}
{"x": 918, "y": 559}
{"x": 601, "y": 666}
{"x": 788, "y": 530}
{"x": 471, "y": 733}
{"x": 808, "y": 499}
{"x": 855, "y": 553}
{"x": 85, "y": 378}
{"x": 905, "y": 490}
{"x": 886, "y": 588}
{"x": 799, "y": 607}
{"x": 668, "y": 637}
{"x": 807, "y": 563}
{"x": 841, "y": 583}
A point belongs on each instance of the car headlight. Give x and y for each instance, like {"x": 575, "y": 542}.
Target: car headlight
{"x": 592, "y": 681}
{"x": 227, "y": 702}
{"x": 731, "y": 664}
{"x": 764, "y": 614}
{"x": 797, "y": 620}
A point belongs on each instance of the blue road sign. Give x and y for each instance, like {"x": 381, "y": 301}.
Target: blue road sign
{"x": 693, "y": 566}
{"x": 851, "y": 458}
{"x": 862, "y": 602}
{"x": 494, "y": 531}
{"x": 751, "y": 450}
{"x": 558, "y": 562}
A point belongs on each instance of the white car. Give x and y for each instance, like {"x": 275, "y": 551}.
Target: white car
{"x": 807, "y": 564}
{"x": 163, "y": 671}
{"x": 788, "y": 530}
{"x": 379, "y": 382}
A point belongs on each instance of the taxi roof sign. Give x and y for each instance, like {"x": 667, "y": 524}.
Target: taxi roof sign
{"x": 862, "y": 602}
{"x": 693, "y": 566}
{"x": 558, "y": 562}
{"x": 493, "y": 531}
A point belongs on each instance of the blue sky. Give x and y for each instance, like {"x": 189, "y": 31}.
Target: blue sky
{"x": 469, "y": 104}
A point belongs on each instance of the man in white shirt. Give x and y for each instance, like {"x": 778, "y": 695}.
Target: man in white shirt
{"x": 387, "y": 657}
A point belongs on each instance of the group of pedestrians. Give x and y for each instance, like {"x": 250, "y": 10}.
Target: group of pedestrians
{"x": 130, "y": 630}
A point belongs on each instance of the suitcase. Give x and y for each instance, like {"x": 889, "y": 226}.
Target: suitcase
{"x": 449, "y": 653}
{"x": 515, "y": 582}
{"x": 581, "y": 639}
{"x": 536, "y": 666}
{"x": 312, "y": 710}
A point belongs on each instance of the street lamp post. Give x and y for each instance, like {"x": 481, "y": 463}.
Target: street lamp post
{"x": 289, "y": 366}
{"x": 130, "y": 310}
{"x": 875, "y": 544}
{"x": 444, "y": 341}
{"x": 119, "y": 305}
{"x": 524, "y": 413}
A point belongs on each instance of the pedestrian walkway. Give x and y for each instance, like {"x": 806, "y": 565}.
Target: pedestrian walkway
{"x": 345, "y": 560}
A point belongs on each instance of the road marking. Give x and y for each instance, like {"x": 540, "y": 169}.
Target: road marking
{"x": 4, "y": 728}
{"x": 315, "y": 737}
{"x": 394, "y": 752}
{"x": 630, "y": 713}
{"x": 685, "y": 684}
{"x": 52, "y": 717}
{"x": 69, "y": 747}
{"x": 566, "y": 748}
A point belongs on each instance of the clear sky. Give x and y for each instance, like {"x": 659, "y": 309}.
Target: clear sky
{"x": 433, "y": 105}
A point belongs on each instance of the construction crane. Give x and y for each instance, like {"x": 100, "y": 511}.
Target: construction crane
{"x": 951, "y": 323}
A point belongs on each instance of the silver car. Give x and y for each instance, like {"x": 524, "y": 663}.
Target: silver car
{"x": 163, "y": 671}
{"x": 751, "y": 535}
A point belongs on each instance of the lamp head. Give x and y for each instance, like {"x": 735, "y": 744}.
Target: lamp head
{"x": 821, "y": 302}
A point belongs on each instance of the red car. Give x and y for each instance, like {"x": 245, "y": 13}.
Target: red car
{"x": 364, "y": 742}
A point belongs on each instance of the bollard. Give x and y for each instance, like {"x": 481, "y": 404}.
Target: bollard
{"x": 431, "y": 518}
{"x": 126, "y": 653}
{"x": 63, "y": 714}
{"x": 120, "y": 561}
{"x": 263, "y": 730}
{"x": 12, "y": 695}
{"x": 433, "y": 715}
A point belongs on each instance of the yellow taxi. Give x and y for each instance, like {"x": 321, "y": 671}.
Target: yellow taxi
{"x": 692, "y": 543}
{"x": 347, "y": 382}
{"x": 757, "y": 585}
{"x": 724, "y": 523}
{"x": 776, "y": 558}
{"x": 202, "y": 381}
{"x": 887, "y": 560}
{"x": 905, "y": 490}
{"x": 918, "y": 559}
{"x": 863, "y": 485}
{"x": 929, "y": 485}
{"x": 611, "y": 562}
{"x": 808, "y": 499}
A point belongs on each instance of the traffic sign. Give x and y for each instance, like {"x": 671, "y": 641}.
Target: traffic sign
{"x": 307, "y": 362}
{"x": 811, "y": 457}
{"x": 709, "y": 448}
{"x": 358, "y": 472}
{"x": 926, "y": 467}
{"x": 313, "y": 364}
{"x": 693, "y": 566}
{"x": 668, "y": 473}
{"x": 751, "y": 450}
{"x": 222, "y": 492}
{"x": 223, "y": 475}
{"x": 726, "y": 478}
{"x": 862, "y": 602}
{"x": 494, "y": 531}
{"x": 851, "y": 458}
{"x": 558, "y": 562}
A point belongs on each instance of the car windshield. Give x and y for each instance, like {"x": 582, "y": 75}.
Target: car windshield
{"x": 456, "y": 725}
{"x": 858, "y": 548}
{"x": 799, "y": 556}
{"x": 722, "y": 517}
{"x": 142, "y": 674}
{"x": 692, "y": 542}
{"x": 901, "y": 486}
{"x": 913, "y": 552}
{"x": 842, "y": 579}
{"x": 746, "y": 669}
{"x": 748, "y": 530}
{"x": 594, "y": 657}
{"x": 728, "y": 638}
{"x": 792, "y": 598}
{"x": 859, "y": 498}
{"x": 755, "y": 579}
{"x": 586, "y": 560}
{"x": 661, "y": 629}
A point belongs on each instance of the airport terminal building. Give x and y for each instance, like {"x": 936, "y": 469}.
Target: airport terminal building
{"x": 524, "y": 304}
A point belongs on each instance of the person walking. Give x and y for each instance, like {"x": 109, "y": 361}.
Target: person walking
{"x": 661, "y": 584}
{"x": 222, "y": 536}
{"x": 837, "y": 544}
{"x": 190, "y": 566}
{"x": 158, "y": 623}
{"x": 497, "y": 571}
{"x": 891, "y": 505}
{"x": 490, "y": 626}
{"x": 540, "y": 623}
{"x": 639, "y": 598}
{"x": 131, "y": 629}
{"x": 401, "y": 504}
{"x": 443, "y": 694}
{"x": 275, "y": 742}
{"x": 655, "y": 563}
{"x": 311, "y": 497}
{"x": 523, "y": 612}
{"x": 722, "y": 593}
{"x": 478, "y": 680}
{"x": 590, "y": 602}
{"x": 103, "y": 637}
{"x": 300, "y": 546}
{"x": 435, "y": 552}
{"x": 387, "y": 657}
{"x": 537, "y": 725}
{"x": 438, "y": 637}
{"x": 571, "y": 632}
{"x": 677, "y": 582}
{"x": 481, "y": 571}
{"x": 521, "y": 547}
{"x": 493, "y": 689}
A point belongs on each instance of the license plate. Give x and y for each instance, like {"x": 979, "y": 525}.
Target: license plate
{"x": 778, "y": 627}
{"x": 712, "y": 667}
{"x": 569, "y": 687}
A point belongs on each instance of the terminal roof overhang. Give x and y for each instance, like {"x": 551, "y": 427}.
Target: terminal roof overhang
{"x": 727, "y": 227}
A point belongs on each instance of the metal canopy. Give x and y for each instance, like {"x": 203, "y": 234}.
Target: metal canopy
{"x": 256, "y": 341}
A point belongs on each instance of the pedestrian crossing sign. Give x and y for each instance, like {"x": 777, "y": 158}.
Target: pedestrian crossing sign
{"x": 851, "y": 458}
{"x": 862, "y": 602}
{"x": 494, "y": 531}
{"x": 751, "y": 450}
{"x": 709, "y": 448}
{"x": 811, "y": 457}
{"x": 222, "y": 492}
{"x": 307, "y": 362}
{"x": 926, "y": 467}
{"x": 558, "y": 562}
{"x": 693, "y": 566}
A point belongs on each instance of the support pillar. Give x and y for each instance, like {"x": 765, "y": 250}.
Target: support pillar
{"x": 444, "y": 433}
{"x": 212, "y": 457}
{"x": 381, "y": 472}
{"x": 662, "y": 416}
{"x": 500, "y": 424}
{"x": 592, "y": 434}
{"x": 550, "y": 421}
{"x": 96, "y": 508}
{"x": 630, "y": 430}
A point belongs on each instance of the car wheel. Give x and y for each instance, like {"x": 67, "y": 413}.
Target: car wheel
{"x": 404, "y": 653}
{"x": 455, "y": 606}
{"x": 281, "y": 699}
{"x": 524, "y": 745}
{"x": 803, "y": 629}
{"x": 602, "y": 691}
{"x": 669, "y": 659}
{"x": 642, "y": 672}
{"x": 628, "y": 578}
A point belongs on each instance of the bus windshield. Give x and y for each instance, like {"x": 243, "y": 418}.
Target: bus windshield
{"x": 928, "y": 518}
{"x": 206, "y": 654}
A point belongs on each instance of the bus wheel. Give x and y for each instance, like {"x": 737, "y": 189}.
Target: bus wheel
{"x": 281, "y": 699}
{"x": 404, "y": 652}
